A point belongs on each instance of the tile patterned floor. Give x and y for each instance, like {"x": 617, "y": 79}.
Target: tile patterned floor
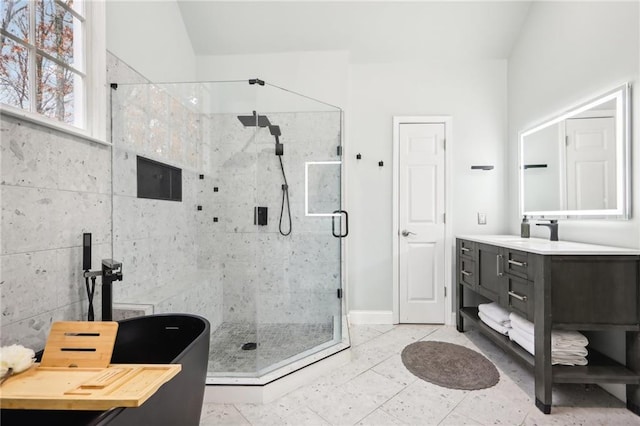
{"x": 276, "y": 342}
{"x": 376, "y": 389}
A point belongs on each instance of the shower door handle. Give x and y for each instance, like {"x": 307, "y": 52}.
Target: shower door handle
{"x": 346, "y": 223}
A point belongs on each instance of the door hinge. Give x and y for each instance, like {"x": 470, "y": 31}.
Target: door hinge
{"x": 339, "y": 293}
{"x": 566, "y": 140}
{"x": 445, "y": 292}
{"x": 339, "y": 150}
{"x": 444, "y": 218}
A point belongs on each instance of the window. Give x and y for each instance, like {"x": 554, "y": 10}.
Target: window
{"x": 45, "y": 71}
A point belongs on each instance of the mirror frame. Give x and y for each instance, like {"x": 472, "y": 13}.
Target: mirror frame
{"x": 621, "y": 95}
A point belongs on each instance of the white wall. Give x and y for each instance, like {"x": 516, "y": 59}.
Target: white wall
{"x": 474, "y": 95}
{"x": 567, "y": 53}
{"x": 150, "y": 36}
{"x": 319, "y": 75}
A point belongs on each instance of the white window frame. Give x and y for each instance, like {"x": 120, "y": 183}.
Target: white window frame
{"x": 92, "y": 105}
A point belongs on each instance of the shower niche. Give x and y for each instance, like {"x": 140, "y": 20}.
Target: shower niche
{"x": 268, "y": 285}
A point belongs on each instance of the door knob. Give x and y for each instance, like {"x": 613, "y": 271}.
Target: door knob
{"x": 406, "y": 233}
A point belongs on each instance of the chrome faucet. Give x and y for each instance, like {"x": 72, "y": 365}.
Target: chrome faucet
{"x": 553, "y": 227}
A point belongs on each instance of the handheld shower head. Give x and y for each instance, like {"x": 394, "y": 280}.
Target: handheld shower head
{"x": 275, "y": 132}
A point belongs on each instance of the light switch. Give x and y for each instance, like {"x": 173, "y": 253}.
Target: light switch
{"x": 482, "y": 218}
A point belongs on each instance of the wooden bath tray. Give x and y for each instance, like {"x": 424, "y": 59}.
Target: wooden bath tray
{"x": 63, "y": 388}
{"x": 75, "y": 373}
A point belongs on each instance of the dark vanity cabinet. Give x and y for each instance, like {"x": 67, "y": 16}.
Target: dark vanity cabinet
{"x": 490, "y": 283}
{"x": 574, "y": 288}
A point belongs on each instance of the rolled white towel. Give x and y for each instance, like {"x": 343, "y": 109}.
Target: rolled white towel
{"x": 560, "y": 339}
{"x": 561, "y": 357}
{"x": 557, "y": 357}
{"x": 523, "y": 340}
{"x": 494, "y": 325}
{"x": 568, "y": 339}
{"x": 521, "y": 324}
{"x": 577, "y": 351}
{"x": 568, "y": 360}
{"x": 496, "y": 312}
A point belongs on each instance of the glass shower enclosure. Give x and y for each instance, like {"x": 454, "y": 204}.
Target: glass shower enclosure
{"x": 227, "y": 204}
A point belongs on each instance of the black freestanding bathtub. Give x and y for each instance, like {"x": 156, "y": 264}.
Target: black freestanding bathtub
{"x": 154, "y": 339}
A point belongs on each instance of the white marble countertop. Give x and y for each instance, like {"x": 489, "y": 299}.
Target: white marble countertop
{"x": 542, "y": 246}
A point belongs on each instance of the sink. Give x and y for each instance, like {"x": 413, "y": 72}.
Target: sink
{"x": 545, "y": 246}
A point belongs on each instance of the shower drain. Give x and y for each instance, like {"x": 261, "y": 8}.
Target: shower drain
{"x": 249, "y": 346}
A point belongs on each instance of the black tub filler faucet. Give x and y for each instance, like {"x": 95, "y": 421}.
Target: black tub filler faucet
{"x": 111, "y": 271}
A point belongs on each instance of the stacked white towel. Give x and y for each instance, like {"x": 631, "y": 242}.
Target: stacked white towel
{"x": 495, "y": 317}
{"x": 567, "y": 347}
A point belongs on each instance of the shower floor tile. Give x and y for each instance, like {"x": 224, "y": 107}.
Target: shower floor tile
{"x": 275, "y": 342}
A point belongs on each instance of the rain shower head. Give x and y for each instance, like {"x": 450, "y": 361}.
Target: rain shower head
{"x": 254, "y": 120}
{"x": 262, "y": 121}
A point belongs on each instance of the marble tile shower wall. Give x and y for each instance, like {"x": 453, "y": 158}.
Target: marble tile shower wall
{"x": 53, "y": 188}
{"x": 267, "y": 277}
{"x": 157, "y": 240}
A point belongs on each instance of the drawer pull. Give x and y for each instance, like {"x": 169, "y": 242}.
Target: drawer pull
{"x": 517, "y": 296}
{"x": 466, "y": 274}
{"x": 499, "y": 270}
{"x": 464, "y": 249}
{"x": 516, "y": 263}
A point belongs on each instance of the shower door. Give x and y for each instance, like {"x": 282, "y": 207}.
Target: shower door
{"x": 298, "y": 299}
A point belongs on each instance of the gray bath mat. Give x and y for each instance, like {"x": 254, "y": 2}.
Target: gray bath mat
{"x": 448, "y": 365}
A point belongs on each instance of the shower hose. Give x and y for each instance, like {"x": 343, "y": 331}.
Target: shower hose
{"x": 90, "y": 292}
{"x": 285, "y": 198}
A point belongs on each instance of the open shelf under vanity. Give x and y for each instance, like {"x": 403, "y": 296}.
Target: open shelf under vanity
{"x": 599, "y": 369}
{"x": 557, "y": 286}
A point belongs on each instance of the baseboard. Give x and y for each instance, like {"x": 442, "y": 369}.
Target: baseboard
{"x": 370, "y": 317}
{"x": 451, "y": 319}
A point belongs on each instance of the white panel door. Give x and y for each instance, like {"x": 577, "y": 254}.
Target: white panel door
{"x": 591, "y": 163}
{"x": 421, "y": 222}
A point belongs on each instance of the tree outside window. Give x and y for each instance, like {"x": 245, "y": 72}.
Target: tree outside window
{"x": 41, "y": 67}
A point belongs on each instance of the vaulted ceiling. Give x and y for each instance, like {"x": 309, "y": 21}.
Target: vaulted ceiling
{"x": 370, "y": 31}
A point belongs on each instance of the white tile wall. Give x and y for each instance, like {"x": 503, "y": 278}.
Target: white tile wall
{"x": 54, "y": 188}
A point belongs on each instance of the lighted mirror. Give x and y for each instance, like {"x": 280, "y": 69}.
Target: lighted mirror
{"x": 576, "y": 165}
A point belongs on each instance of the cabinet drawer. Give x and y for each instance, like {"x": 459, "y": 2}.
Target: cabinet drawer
{"x": 517, "y": 263}
{"x": 467, "y": 272}
{"x": 520, "y": 297}
{"x": 466, "y": 249}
